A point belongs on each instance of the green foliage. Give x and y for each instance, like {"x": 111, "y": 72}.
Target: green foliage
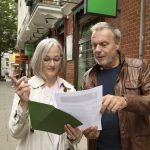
{"x": 8, "y": 25}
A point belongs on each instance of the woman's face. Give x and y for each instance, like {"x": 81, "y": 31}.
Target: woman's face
{"x": 52, "y": 63}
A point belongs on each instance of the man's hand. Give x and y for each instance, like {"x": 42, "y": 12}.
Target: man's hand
{"x": 92, "y": 132}
{"x": 113, "y": 103}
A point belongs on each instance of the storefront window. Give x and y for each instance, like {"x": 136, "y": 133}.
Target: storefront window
{"x": 85, "y": 60}
{"x": 85, "y": 57}
{"x": 7, "y": 62}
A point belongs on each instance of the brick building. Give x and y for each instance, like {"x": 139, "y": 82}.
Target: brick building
{"x": 72, "y": 28}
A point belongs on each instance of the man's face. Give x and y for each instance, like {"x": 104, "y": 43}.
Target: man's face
{"x": 104, "y": 48}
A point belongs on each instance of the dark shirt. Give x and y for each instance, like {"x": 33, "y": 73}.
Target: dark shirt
{"x": 109, "y": 138}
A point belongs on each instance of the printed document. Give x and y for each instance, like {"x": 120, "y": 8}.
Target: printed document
{"x": 83, "y": 105}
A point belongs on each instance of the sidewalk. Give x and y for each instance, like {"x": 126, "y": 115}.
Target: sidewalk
{"x": 7, "y": 142}
{"x": 6, "y": 98}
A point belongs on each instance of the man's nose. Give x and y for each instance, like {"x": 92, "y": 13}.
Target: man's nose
{"x": 98, "y": 48}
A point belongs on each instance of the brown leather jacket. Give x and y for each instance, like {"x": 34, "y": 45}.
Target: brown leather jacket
{"x": 133, "y": 82}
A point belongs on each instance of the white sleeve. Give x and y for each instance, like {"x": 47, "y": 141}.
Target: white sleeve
{"x": 19, "y": 124}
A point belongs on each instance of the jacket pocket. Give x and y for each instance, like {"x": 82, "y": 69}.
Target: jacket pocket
{"x": 132, "y": 84}
{"x": 141, "y": 142}
{"x": 133, "y": 87}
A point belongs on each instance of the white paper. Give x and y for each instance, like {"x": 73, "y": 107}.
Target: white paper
{"x": 84, "y": 105}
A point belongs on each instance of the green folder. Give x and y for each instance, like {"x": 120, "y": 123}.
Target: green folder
{"x": 48, "y": 118}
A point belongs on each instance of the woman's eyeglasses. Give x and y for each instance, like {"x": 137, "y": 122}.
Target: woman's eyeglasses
{"x": 49, "y": 59}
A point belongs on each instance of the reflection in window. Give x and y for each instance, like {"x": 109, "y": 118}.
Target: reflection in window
{"x": 85, "y": 57}
{"x": 85, "y": 60}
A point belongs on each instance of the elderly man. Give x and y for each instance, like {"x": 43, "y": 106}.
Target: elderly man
{"x": 126, "y": 89}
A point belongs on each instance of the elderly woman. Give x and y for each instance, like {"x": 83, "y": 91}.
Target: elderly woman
{"x": 47, "y": 62}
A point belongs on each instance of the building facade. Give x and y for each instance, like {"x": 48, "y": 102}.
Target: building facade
{"x": 66, "y": 21}
{"x": 8, "y": 64}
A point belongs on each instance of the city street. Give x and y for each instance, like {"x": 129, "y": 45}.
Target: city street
{"x": 7, "y": 142}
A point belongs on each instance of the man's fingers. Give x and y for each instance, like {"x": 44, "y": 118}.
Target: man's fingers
{"x": 104, "y": 106}
{"x": 105, "y": 103}
{"x": 103, "y": 109}
{"x": 86, "y": 131}
{"x": 91, "y": 132}
{"x": 111, "y": 105}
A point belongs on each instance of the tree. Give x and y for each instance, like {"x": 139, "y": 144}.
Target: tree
{"x": 8, "y": 26}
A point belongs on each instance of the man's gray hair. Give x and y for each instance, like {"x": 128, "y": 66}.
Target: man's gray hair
{"x": 101, "y": 25}
{"x": 40, "y": 53}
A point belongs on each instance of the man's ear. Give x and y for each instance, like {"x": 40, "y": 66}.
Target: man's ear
{"x": 118, "y": 46}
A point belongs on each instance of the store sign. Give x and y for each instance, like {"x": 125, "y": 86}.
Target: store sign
{"x": 28, "y": 51}
{"x": 14, "y": 57}
{"x": 102, "y": 7}
{"x": 69, "y": 46}
{"x": 21, "y": 58}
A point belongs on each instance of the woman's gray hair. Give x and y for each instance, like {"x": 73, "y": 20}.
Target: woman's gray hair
{"x": 101, "y": 25}
{"x": 40, "y": 53}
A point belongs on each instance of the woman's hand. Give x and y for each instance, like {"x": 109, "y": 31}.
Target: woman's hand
{"x": 22, "y": 90}
{"x": 91, "y": 133}
{"x": 73, "y": 133}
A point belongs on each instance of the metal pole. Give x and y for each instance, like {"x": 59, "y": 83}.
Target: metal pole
{"x": 141, "y": 36}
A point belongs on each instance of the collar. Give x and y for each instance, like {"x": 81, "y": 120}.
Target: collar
{"x": 37, "y": 82}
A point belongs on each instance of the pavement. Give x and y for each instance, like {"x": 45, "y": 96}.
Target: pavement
{"x": 7, "y": 142}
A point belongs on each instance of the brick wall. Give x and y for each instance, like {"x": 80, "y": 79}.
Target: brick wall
{"x": 70, "y": 72}
{"x": 130, "y": 27}
{"x": 128, "y": 21}
{"x": 69, "y": 22}
{"x": 69, "y": 64}
{"x": 147, "y": 30}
